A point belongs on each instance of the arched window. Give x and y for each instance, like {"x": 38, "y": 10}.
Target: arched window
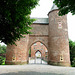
{"x": 35, "y": 44}
{"x": 41, "y": 44}
{"x": 38, "y": 54}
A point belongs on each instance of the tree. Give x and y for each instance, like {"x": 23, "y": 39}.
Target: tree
{"x": 2, "y": 49}
{"x": 72, "y": 52}
{"x": 14, "y": 19}
{"x": 65, "y": 6}
{"x": 2, "y": 54}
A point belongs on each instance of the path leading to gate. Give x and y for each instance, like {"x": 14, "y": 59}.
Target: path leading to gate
{"x": 37, "y": 61}
{"x": 36, "y": 70}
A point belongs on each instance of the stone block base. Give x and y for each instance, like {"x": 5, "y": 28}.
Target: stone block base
{"x": 15, "y": 63}
{"x": 59, "y": 63}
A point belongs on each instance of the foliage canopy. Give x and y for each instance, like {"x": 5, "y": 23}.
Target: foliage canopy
{"x": 2, "y": 49}
{"x": 14, "y": 19}
{"x": 72, "y": 52}
{"x": 65, "y": 6}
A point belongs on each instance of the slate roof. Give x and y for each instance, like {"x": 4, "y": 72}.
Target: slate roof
{"x": 45, "y": 20}
{"x": 41, "y": 21}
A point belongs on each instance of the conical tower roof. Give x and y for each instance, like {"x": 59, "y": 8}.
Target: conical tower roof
{"x": 54, "y": 7}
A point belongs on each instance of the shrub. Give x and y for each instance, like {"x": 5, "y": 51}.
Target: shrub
{"x": 2, "y": 54}
{"x": 2, "y": 60}
{"x": 72, "y": 52}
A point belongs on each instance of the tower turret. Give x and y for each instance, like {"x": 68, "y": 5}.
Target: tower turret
{"x": 58, "y": 39}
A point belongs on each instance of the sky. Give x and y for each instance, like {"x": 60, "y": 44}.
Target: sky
{"x": 42, "y": 10}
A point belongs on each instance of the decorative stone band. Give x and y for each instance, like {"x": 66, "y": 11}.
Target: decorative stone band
{"x": 41, "y": 24}
{"x": 16, "y": 62}
{"x": 59, "y": 63}
{"x": 39, "y": 35}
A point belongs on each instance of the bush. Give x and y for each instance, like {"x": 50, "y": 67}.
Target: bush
{"x": 2, "y": 60}
{"x": 2, "y": 49}
{"x": 72, "y": 52}
{"x": 2, "y": 56}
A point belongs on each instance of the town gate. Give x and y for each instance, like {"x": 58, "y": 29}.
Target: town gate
{"x": 52, "y": 32}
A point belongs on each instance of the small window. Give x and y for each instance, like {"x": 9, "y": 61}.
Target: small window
{"x": 35, "y": 44}
{"x": 61, "y": 58}
{"x": 59, "y": 25}
{"x": 34, "y": 48}
{"x": 41, "y": 44}
{"x": 46, "y": 51}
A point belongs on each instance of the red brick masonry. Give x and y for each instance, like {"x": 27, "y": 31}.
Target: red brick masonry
{"x": 53, "y": 35}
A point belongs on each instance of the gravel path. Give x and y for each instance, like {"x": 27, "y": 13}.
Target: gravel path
{"x": 36, "y": 69}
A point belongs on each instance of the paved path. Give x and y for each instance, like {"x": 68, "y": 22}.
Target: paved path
{"x": 36, "y": 70}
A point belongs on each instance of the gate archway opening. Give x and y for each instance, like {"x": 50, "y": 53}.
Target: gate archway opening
{"x": 38, "y": 53}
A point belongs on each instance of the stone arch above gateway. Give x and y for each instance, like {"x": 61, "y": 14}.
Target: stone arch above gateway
{"x": 45, "y": 43}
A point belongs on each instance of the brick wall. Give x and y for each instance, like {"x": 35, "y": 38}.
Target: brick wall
{"x": 58, "y": 40}
{"x": 54, "y": 36}
{"x": 38, "y": 47}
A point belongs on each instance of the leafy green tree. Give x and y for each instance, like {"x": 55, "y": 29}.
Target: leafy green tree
{"x": 72, "y": 52}
{"x": 2, "y": 57}
{"x": 65, "y": 6}
{"x": 2, "y": 60}
{"x": 2, "y": 49}
{"x": 14, "y": 19}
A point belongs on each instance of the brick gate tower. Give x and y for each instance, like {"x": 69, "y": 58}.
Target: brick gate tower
{"x": 52, "y": 32}
{"x": 58, "y": 39}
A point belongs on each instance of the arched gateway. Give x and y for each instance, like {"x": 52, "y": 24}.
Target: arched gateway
{"x": 52, "y": 32}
